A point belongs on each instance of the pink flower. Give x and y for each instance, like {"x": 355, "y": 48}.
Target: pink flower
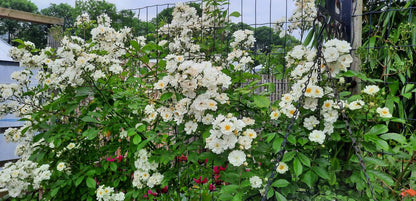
{"x": 98, "y": 183}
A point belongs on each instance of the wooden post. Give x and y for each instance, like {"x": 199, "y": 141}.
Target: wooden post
{"x": 29, "y": 17}
{"x": 356, "y": 32}
{"x": 53, "y": 35}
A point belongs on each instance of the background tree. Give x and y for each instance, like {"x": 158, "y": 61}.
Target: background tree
{"x": 61, "y": 10}
{"x": 23, "y": 30}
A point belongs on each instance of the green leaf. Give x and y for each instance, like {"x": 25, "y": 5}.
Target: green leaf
{"x": 137, "y": 139}
{"x": 375, "y": 161}
{"x": 166, "y": 96}
{"x": 378, "y": 129}
{"x": 277, "y": 142}
{"x": 280, "y": 183}
{"x": 90, "y": 172}
{"x": 309, "y": 178}
{"x": 270, "y": 193}
{"x": 113, "y": 166}
{"x": 54, "y": 191}
{"x": 235, "y": 14}
{"x": 321, "y": 172}
{"x": 89, "y": 119}
{"x": 304, "y": 159}
{"x": 394, "y": 136}
{"x": 91, "y": 183}
{"x": 261, "y": 101}
{"x": 291, "y": 139}
{"x": 90, "y": 133}
{"x": 135, "y": 45}
{"x": 297, "y": 166}
{"x": 238, "y": 197}
{"x": 280, "y": 197}
{"x": 226, "y": 196}
{"x": 394, "y": 87}
{"x": 79, "y": 180}
{"x": 141, "y": 128}
{"x": 381, "y": 175}
{"x": 288, "y": 156}
{"x": 142, "y": 144}
{"x": 131, "y": 131}
{"x": 382, "y": 144}
{"x": 332, "y": 178}
{"x": 230, "y": 189}
{"x": 308, "y": 38}
{"x": 407, "y": 95}
{"x": 83, "y": 91}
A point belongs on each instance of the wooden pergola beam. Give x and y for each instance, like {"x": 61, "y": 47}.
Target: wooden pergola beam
{"x": 29, "y": 17}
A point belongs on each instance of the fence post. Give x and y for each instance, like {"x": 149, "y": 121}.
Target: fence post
{"x": 357, "y": 10}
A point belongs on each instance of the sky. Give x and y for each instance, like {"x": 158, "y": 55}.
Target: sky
{"x": 260, "y": 12}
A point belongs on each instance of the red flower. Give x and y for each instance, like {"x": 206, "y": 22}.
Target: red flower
{"x": 211, "y": 187}
{"x": 109, "y": 159}
{"x": 182, "y": 158}
{"x": 200, "y": 181}
{"x": 151, "y": 193}
{"x": 119, "y": 158}
{"x": 409, "y": 192}
{"x": 216, "y": 170}
{"x": 203, "y": 162}
{"x": 165, "y": 189}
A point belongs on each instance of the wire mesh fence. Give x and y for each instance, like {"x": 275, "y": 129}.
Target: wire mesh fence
{"x": 259, "y": 16}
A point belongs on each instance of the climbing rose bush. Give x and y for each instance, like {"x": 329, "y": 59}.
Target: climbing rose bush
{"x": 116, "y": 117}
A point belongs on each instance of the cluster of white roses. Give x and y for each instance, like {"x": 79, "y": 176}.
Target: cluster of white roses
{"x": 10, "y": 95}
{"x": 185, "y": 23}
{"x": 186, "y": 77}
{"x": 19, "y": 176}
{"x": 73, "y": 59}
{"x": 370, "y": 90}
{"x": 336, "y": 60}
{"x": 240, "y": 57}
{"x": 82, "y": 19}
{"x": 227, "y": 131}
{"x": 302, "y": 18}
{"x": 25, "y": 146}
{"x": 142, "y": 175}
{"x": 201, "y": 84}
{"x": 337, "y": 57}
{"x": 107, "y": 194}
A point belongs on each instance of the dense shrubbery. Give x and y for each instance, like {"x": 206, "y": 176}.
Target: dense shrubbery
{"x": 106, "y": 122}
